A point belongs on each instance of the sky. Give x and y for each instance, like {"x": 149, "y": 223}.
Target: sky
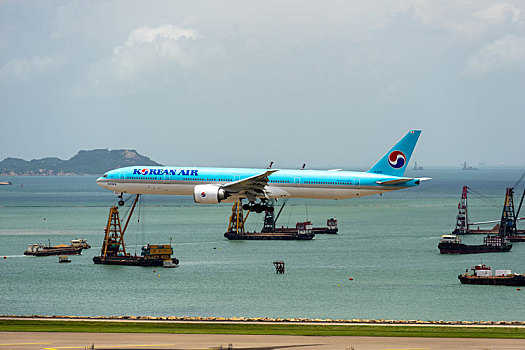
{"x": 328, "y": 83}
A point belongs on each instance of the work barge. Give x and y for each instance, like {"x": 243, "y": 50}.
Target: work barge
{"x": 74, "y": 248}
{"x": 114, "y": 252}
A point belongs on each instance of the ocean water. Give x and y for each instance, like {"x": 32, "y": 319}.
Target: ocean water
{"x": 387, "y": 244}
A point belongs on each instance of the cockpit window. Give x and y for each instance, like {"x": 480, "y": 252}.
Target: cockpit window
{"x": 105, "y": 175}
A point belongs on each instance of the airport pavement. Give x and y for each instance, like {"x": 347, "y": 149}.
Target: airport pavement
{"x": 146, "y": 341}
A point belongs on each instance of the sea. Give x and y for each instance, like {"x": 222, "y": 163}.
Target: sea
{"x": 383, "y": 264}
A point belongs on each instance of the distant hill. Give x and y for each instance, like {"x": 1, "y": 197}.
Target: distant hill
{"x": 95, "y": 161}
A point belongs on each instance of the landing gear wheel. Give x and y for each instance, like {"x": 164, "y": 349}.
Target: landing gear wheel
{"x": 258, "y": 208}
{"x": 270, "y": 209}
{"x": 121, "y": 202}
{"x": 245, "y": 207}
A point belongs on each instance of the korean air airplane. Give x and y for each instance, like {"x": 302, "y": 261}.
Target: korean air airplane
{"x": 215, "y": 185}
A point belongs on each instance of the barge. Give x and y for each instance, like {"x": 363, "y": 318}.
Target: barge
{"x": 451, "y": 244}
{"x": 74, "y": 248}
{"x": 151, "y": 255}
{"x": 303, "y": 231}
{"x": 482, "y": 274}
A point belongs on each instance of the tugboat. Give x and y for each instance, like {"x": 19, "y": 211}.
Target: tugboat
{"x": 482, "y": 274}
{"x": 451, "y": 244}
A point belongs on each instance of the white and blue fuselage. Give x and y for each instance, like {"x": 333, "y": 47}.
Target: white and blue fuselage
{"x": 284, "y": 183}
{"x": 214, "y": 185}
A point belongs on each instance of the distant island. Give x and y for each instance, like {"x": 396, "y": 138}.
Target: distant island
{"x": 95, "y": 161}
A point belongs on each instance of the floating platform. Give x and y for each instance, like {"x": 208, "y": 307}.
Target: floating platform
{"x": 482, "y": 274}
{"x": 451, "y": 244}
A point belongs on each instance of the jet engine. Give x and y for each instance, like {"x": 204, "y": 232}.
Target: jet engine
{"x": 208, "y": 194}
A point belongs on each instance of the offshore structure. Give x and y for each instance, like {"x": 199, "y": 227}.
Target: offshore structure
{"x": 506, "y": 226}
{"x": 114, "y": 252}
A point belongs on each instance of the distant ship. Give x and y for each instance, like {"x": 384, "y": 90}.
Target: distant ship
{"x": 416, "y": 167}
{"x": 466, "y": 167}
{"x": 5, "y": 183}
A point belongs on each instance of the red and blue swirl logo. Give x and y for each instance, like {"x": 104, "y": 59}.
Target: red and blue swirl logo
{"x": 397, "y": 159}
{"x": 144, "y": 171}
{"x": 203, "y": 194}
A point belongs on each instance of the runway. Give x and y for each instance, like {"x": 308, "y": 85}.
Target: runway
{"x": 145, "y": 341}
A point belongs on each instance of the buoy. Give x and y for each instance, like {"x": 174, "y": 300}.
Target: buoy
{"x": 351, "y": 278}
{"x": 516, "y": 288}
{"x": 154, "y": 270}
{"x": 5, "y": 257}
{"x": 338, "y": 285}
{"x": 158, "y": 275}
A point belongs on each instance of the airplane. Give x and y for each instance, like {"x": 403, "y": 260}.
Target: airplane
{"x": 210, "y": 185}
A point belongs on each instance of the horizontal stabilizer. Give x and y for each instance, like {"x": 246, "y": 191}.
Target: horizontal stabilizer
{"x": 400, "y": 181}
{"x": 394, "y": 182}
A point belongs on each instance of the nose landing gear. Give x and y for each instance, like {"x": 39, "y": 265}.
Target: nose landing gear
{"x": 121, "y": 199}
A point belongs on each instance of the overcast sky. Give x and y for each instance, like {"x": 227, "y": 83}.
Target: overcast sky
{"x": 243, "y": 83}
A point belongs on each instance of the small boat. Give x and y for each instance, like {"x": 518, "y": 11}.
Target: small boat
{"x": 63, "y": 259}
{"x": 482, "y": 274}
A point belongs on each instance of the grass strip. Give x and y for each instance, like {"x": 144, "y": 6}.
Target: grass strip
{"x": 260, "y": 329}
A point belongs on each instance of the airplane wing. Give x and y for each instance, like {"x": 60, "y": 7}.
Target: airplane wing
{"x": 252, "y": 186}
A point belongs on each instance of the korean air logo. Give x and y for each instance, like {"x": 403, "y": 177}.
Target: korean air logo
{"x": 203, "y": 194}
{"x": 397, "y": 159}
{"x": 144, "y": 171}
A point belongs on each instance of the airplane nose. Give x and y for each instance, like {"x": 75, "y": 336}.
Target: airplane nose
{"x": 101, "y": 182}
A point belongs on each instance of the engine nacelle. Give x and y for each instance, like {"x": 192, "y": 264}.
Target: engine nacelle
{"x": 208, "y": 194}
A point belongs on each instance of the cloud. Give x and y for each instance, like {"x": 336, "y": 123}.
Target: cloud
{"x": 21, "y": 69}
{"x": 500, "y": 13}
{"x": 147, "y": 48}
{"x": 507, "y": 53}
{"x": 465, "y": 19}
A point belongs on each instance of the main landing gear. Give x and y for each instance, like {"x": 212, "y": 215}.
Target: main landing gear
{"x": 258, "y": 207}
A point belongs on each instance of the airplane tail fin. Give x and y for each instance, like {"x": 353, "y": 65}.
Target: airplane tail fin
{"x": 395, "y": 161}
